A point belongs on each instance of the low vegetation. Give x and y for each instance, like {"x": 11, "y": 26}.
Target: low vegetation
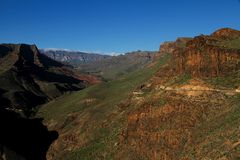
{"x": 101, "y": 103}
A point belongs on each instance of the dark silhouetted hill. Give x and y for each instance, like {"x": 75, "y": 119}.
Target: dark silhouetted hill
{"x": 28, "y": 78}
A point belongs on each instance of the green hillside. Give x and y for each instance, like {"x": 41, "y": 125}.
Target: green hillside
{"x": 163, "y": 111}
{"x": 88, "y": 111}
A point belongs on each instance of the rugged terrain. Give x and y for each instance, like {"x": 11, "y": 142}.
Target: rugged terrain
{"x": 210, "y": 56}
{"x": 191, "y": 111}
{"x": 28, "y": 78}
{"x": 185, "y": 105}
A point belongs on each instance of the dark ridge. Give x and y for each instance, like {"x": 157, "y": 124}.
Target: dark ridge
{"x": 45, "y": 75}
{"x": 30, "y": 53}
{"x": 27, "y": 53}
{"x": 4, "y": 51}
{"x": 27, "y": 75}
{"x": 48, "y": 62}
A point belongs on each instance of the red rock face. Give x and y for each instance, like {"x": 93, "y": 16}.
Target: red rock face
{"x": 177, "y": 129}
{"x": 166, "y": 132}
{"x": 169, "y": 47}
{"x": 201, "y": 59}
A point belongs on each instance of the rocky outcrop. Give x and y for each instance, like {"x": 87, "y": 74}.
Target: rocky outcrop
{"x": 226, "y": 33}
{"x": 169, "y": 47}
{"x": 203, "y": 57}
{"x": 178, "y": 119}
{"x": 165, "y": 132}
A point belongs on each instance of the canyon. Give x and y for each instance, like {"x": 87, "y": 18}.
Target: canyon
{"x": 181, "y": 102}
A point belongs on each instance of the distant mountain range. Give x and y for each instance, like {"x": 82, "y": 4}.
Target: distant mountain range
{"x": 73, "y": 57}
{"x": 105, "y": 66}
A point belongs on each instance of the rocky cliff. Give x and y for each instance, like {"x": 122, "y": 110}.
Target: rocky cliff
{"x": 180, "y": 113}
{"x": 169, "y": 47}
{"x": 209, "y": 56}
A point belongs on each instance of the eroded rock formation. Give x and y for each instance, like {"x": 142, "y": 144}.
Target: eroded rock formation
{"x": 200, "y": 59}
{"x": 182, "y": 121}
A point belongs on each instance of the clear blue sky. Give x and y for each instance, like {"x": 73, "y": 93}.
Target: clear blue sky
{"x": 112, "y": 25}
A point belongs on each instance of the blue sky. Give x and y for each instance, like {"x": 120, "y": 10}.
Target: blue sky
{"x": 112, "y": 25}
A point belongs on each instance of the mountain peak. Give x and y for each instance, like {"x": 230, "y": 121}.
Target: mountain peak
{"x": 226, "y": 32}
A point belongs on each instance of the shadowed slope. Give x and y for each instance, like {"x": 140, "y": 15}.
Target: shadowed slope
{"x": 28, "y": 78}
{"x": 21, "y": 138}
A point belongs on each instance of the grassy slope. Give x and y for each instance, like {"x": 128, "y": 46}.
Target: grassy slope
{"x": 216, "y": 137}
{"x": 100, "y": 120}
{"x": 235, "y": 43}
{"x": 113, "y": 67}
{"x": 215, "y": 118}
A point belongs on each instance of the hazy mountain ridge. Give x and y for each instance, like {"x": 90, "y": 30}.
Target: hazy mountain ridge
{"x": 115, "y": 66}
{"x": 73, "y": 57}
{"x": 107, "y": 67}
